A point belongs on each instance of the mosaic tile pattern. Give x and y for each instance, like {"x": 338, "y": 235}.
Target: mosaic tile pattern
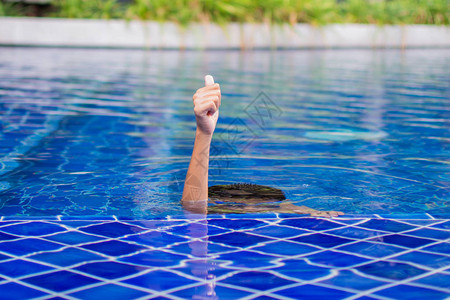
{"x": 235, "y": 257}
{"x": 98, "y": 132}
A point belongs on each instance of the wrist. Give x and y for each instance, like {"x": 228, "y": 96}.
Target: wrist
{"x": 202, "y": 136}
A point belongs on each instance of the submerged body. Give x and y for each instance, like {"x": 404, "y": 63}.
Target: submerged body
{"x": 235, "y": 198}
{"x": 253, "y": 198}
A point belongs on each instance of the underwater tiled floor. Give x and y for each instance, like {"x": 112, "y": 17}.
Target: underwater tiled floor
{"x": 235, "y": 257}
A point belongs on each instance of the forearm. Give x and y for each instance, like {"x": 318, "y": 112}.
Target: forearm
{"x": 196, "y": 183}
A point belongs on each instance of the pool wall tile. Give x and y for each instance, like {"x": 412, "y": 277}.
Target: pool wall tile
{"x": 266, "y": 256}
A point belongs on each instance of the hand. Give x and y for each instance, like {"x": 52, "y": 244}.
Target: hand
{"x": 206, "y": 106}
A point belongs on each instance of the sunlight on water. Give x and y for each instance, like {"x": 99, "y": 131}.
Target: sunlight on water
{"x": 97, "y": 132}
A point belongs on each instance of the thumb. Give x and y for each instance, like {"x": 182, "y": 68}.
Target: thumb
{"x": 209, "y": 80}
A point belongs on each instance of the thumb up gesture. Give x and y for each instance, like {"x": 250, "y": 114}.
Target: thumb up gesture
{"x": 206, "y": 106}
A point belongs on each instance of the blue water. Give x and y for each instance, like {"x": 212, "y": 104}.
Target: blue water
{"x": 94, "y": 147}
{"x": 110, "y": 132}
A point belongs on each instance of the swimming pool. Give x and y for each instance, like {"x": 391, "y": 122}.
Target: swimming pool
{"x": 96, "y": 143}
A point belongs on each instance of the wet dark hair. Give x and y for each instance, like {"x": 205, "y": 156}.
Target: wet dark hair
{"x": 244, "y": 191}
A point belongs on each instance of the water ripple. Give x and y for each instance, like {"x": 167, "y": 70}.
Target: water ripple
{"x": 111, "y": 132}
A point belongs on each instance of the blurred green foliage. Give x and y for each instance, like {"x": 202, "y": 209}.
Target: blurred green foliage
{"x": 90, "y": 9}
{"x": 267, "y": 11}
{"x": 10, "y": 9}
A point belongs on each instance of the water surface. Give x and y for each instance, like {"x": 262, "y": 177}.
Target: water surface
{"x": 110, "y": 132}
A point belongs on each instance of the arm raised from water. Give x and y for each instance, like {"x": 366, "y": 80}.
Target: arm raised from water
{"x": 206, "y": 108}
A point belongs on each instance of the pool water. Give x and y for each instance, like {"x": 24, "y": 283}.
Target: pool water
{"x": 110, "y": 132}
{"x": 95, "y": 145}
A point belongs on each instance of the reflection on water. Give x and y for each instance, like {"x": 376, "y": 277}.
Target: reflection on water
{"x": 203, "y": 267}
{"x": 96, "y": 132}
{"x": 345, "y": 135}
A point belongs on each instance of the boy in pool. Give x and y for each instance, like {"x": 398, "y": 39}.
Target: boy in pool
{"x": 234, "y": 198}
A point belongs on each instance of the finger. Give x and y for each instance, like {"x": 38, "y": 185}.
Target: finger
{"x": 212, "y": 109}
{"x": 201, "y": 101}
{"x": 215, "y": 116}
{"x": 207, "y": 94}
{"x": 220, "y": 98}
{"x": 213, "y": 87}
{"x": 214, "y": 99}
{"x": 209, "y": 91}
{"x": 209, "y": 80}
{"x": 207, "y": 108}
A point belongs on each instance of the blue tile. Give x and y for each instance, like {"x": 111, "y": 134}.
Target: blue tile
{"x": 421, "y": 222}
{"x": 112, "y": 229}
{"x": 238, "y": 239}
{"x": 442, "y": 216}
{"x": 438, "y": 279}
{"x": 386, "y": 225}
{"x": 5, "y": 223}
{"x": 72, "y": 238}
{"x": 411, "y": 292}
{"x": 160, "y": 280}
{"x": 7, "y": 237}
{"x": 109, "y": 269}
{"x": 33, "y": 228}
{"x": 261, "y": 281}
{"x": 355, "y": 232}
{"x": 422, "y": 216}
{"x": 215, "y": 264}
{"x": 402, "y": 240}
{"x": 110, "y": 292}
{"x": 425, "y": 259}
{"x": 349, "y": 279}
{"x": 113, "y": 248}
{"x": 67, "y": 257}
{"x": 348, "y": 220}
{"x": 444, "y": 225}
{"x": 441, "y": 248}
{"x": 60, "y": 281}
{"x": 251, "y": 216}
{"x": 431, "y": 233}
{"x": 315, "y": 224}
{"x": 390, "y": 270}
{"x": 4, "y": 257}
{"x": 18, "y": 268}
{"x": 154, "y": 258}
{"x": 195, "y": 230}
{"x": 156, "y": 239}
{"x": 313, "y": 292}
{"x": 236, "y": 223}
{"x": 278, "y": 231}
{"x": 322, "y": 240}
{"x": 210, "y": 292}
{"x": 200, "y": 248}
{"x": 27, "y": 246}
{"x": 79, "y": 223}
{"x": 285, "y": 248}
{"x": 336, "y": 259}
{"x": 203, "y": 269}
{"x": 18, "y": 217}
{"x": 371, "y": 249}
{"x": 298, "y": 268}
{"x": 14, "y": 291}
{"x": 155, "y": 224}
{"x": 246, "y": 259}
